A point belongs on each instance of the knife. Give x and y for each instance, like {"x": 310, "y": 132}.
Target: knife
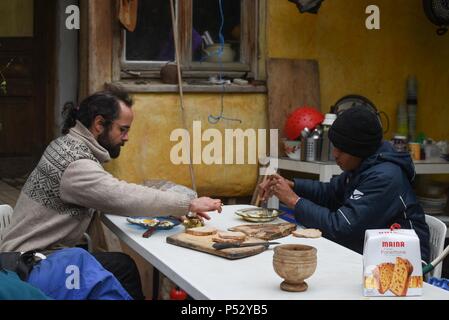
{"x": 151, "y": 230}
{"x": 220, "y": 246}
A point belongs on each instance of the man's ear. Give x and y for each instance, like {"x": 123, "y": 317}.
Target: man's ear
{"x": 98, "y": 125}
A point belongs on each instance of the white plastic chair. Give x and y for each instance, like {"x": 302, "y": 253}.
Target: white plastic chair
{"x": 5, "y": 221}
{"x": 5, "y": 218}
{"x": 437, "y": 236}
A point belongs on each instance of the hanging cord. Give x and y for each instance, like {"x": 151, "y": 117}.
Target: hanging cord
{"x": 215, "y": 119}
{"x": 181, "y": 93}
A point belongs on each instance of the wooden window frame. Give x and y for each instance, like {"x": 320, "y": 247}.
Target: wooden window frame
{"x": 192, "y": 69}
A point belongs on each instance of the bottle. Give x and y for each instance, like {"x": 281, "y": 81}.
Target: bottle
{"x": 326, "y": 149}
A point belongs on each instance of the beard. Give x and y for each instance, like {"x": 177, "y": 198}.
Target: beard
{"x": 105, "y": 142}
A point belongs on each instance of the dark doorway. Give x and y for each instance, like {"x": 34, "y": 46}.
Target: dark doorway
{"x": 26, "y": 103}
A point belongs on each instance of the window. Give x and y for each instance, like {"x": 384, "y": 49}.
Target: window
{"x": 215, "y": 36}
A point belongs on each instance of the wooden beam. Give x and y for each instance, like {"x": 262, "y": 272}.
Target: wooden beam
{"x": 100, "y": 31}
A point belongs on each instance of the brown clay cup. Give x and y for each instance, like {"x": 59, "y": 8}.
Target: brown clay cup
{"x": 294, "y": 263}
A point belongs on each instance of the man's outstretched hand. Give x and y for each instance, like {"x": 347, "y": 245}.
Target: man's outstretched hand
{"x": 202, "y": 205}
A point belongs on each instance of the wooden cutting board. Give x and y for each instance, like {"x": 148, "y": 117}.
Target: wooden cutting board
{"x": 204, "y": 244}
{"x": 291, "y": 83}
{"x": 266, "y": 231}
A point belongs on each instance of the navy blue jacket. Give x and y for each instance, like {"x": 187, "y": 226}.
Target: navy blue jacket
{"x": 376, "y": 195}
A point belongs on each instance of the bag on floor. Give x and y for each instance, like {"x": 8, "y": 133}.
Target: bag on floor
{"x": 74, "y": 274}
{"x": 12, "y": 288}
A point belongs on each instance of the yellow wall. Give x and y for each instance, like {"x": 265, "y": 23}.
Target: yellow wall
{"x": 16, "y": 18}
{"x": 374, "y": 63}
{"x": 352, "y": 59}
{"x": 147, "y": 154}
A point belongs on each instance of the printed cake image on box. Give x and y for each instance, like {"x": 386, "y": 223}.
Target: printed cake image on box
{"x": 392, "y": 263}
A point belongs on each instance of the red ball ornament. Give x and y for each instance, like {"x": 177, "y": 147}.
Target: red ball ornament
{"x": 301, "y": 118}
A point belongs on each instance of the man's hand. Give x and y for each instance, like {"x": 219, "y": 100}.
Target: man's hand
{"x": 201, "y": 205}
{"x": 283, "y": 189}
{"x": 265, "y": 189}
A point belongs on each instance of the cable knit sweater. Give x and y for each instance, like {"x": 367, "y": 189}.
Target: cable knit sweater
{"x": 55, "y": 206}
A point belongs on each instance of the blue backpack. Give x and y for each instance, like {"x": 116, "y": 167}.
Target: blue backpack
{"x": 74, "y": 274}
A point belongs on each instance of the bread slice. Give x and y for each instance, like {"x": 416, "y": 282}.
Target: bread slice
{"x": 383, "y": 273}
{"x": 202, "y": 231}
{"x": 232, "y": 235}
{"x": 307, "y": 233}
{"x": 401, "y": 277}
{"x": 221, "y": 240}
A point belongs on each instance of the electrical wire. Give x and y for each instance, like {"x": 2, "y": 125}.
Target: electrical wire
{"x": 216, "y": 119}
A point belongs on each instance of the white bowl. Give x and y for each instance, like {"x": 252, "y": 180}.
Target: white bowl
{"x": 292, "y": 149}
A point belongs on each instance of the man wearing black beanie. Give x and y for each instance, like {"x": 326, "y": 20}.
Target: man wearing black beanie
{"x": 373, "y": 192}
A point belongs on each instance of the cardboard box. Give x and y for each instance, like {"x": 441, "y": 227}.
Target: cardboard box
{"x": 392, "y": 263}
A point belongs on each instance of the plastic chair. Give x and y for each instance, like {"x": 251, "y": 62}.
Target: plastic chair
{"x": 5, "y": 218}
{"x": 437, "y": 236}
{"x": 5, "y": 221}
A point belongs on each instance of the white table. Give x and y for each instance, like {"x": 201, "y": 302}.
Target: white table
{"x": 204, "y": 276}
{"x": 325, "y": 170}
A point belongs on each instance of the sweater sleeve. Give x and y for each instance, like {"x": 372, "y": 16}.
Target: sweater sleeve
{"x": 87, "y": 184}
{"x": 329, "y": 194}
{"x": 372, "y": 205}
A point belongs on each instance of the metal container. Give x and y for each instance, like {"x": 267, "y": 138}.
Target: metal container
{"x": 303, "y": 149}
{"x": 304, "y": 135}
{"x": 313, "y": 148}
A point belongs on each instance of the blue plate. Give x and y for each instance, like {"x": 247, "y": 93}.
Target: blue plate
{"x": 166, "y": 223}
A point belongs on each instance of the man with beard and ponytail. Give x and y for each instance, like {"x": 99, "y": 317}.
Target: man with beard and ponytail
{"x": 55, "y": 206}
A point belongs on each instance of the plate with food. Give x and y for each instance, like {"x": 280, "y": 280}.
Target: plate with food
{"x": 258, "y": 214}
{"x": 161, "y": 223}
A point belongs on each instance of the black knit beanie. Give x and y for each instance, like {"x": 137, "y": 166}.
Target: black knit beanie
{"x": 356, "y": 131}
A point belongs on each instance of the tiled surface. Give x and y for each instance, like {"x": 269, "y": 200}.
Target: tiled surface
{"x": 8, "y": 194}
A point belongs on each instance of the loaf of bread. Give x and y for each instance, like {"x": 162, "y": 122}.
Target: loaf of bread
{"x": 307, "y": 233}
{"x": 383, "y": 273}
{"x": 232, "y": 235}
{"x": 202, "y": 231}
{"x": 401, "y": 276}
{"x": 229, "y": 237}
{"x": 222, "y": 240}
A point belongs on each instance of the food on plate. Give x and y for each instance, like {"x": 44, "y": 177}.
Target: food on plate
{"x": 258, "y": 214}
{"x": 202, "y": 231}
{"x": 159, "y": 222}
{"x": 307, "y": 233}
{"x": 166, "y": 224}
{"x": 146, "y": 222}
{"x": 193, "y": 222}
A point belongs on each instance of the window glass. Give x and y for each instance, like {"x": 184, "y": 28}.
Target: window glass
{"x": 152, "y": 40}
{"x": 206, "y": 23}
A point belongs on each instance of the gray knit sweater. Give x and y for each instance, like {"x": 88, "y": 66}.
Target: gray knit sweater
{"x": 55, "y": 206}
